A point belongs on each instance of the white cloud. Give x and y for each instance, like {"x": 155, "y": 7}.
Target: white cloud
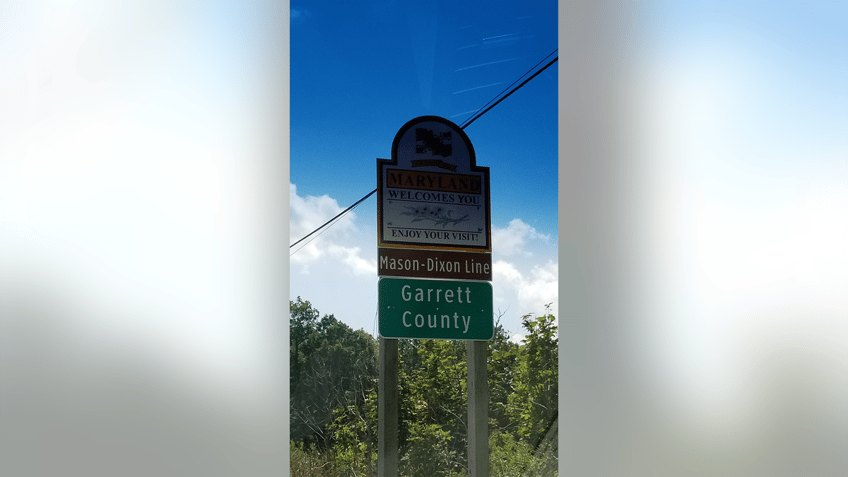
{"x": 505, "y": 271}
{"x": 334, "y": 243}
{"x": 307, "y": 214}
{"x": 511, "y": 240}
{"x": 534, "y": 290}
{"x": 540, "y": 289}
{"x": 350, "y": 257}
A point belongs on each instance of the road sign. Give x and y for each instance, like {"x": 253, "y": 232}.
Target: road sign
{"x": 419, "y": 263}
{"x": 431, "y": 193}
{"x": 441, "y": 309}
{"x": 433, "y": 213}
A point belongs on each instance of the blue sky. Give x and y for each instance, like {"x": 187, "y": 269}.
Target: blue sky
{"x": 358, "y": 73}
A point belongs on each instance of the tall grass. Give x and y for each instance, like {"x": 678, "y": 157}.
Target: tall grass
{"x": 508, "y": 457}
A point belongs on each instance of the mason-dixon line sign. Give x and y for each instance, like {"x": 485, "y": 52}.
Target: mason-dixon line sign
{"x": 401, "y": 262}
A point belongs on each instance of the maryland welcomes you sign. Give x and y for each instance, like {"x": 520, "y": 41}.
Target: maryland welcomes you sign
{"x": 431, "y": 193}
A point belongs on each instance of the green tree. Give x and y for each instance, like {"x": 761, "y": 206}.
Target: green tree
{"x": 533, "y": 405}
{"x": 501, "y": 367}
{"x": 509, "y": 456}
{"x": 333, "y": 367}
{"x": 433, "y": 376}
{"x": 334, "y": 399}
{"x": 302, "y": 321}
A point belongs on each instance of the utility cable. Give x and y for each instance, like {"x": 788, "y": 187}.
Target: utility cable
{"x": 469, "y": 120}
{"x": 334, "y": 218}
{"x": 465, "y": 124}
{"x": 326, "y": 228}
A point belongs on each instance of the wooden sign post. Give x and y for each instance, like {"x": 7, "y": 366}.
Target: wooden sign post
{"x": 387, "y": 409}
{"x": 478, "y": 409}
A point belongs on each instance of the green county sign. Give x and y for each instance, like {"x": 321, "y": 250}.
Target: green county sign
{"x": 435, "y": 309}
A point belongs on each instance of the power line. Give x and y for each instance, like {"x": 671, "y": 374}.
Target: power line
{"x": 326, "y": 228}
{"x": 334, "y": 218}
{"x": 473, "y": 118}
{"x": 470, "y": 120}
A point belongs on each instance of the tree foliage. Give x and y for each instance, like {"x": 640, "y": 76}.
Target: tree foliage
{"x": 332, "y": 367}
{"x": 334, "y": 398}
{"x": 533, "y": 405}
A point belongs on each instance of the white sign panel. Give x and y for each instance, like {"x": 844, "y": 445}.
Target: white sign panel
{"x": 431, "y": 194}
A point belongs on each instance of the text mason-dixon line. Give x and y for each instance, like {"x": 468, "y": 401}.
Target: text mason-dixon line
{"x": 434, "y": 265}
